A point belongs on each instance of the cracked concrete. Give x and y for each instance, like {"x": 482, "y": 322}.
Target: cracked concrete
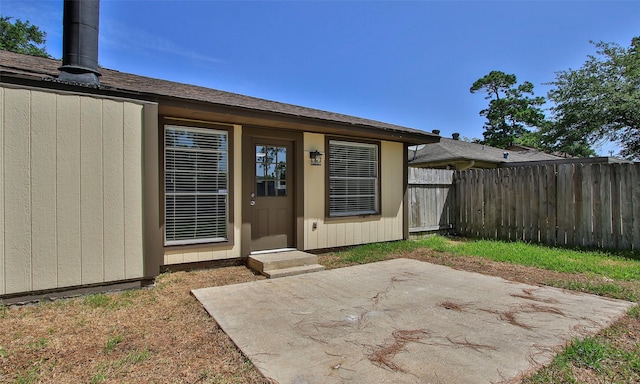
{"x": 402, "y": 321}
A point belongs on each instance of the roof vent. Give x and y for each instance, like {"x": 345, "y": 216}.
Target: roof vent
{"x": 456, "y": 136}
{"x": 505, "y": 155}
{"x": 436, "y": 131}
{"x": 80, "y": 41}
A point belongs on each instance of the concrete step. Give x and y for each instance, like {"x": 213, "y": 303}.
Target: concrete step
{"x": 292, "y": 271}
{"x": 281, "y": 264}
{"x": 280, "y": 260}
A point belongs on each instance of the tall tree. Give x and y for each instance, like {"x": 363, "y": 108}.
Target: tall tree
{"x": 512, "y": 108}
{"x": 22, "y": 37}
{"x": 599, "y": 101}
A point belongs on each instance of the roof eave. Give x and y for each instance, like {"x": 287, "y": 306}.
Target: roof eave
{"x": 364, "y": 130}
{"x": 252, "y": 116}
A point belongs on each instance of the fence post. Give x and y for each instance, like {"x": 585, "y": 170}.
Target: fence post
{"x": 535, "y": 205}
{"x": 616, "y": 214}
{"x": 586, "y": 219}
{"x": 579, "y": 205}
{"x": 597, "y": 205}
{"x": 605, "y": 196}
{"x": 626, "y": 206}
{"x": 635, "y": 201}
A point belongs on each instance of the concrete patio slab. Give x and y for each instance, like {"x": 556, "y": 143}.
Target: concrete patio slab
{"x": 402, "y": 321}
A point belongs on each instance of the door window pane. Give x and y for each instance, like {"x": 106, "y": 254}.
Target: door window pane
{"x": 271, "y": 171}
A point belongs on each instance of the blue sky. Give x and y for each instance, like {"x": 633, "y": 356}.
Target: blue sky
{"x": 409, "y": 63}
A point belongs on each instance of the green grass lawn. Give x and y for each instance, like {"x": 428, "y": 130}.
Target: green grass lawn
{"x": 613, "y": 265}
{"x": 623, "y": 266}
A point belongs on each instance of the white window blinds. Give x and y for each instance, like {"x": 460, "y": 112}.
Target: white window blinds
{"x": 195, "y": 185}
{"x": 353, "y": 178}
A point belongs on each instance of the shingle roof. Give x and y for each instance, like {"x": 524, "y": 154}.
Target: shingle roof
{"x": 456, "y": 150}
{"x": 18, "y": 65}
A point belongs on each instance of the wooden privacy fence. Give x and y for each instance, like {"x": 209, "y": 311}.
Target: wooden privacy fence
{"x": 591, "y": 205}
{"x": 431, "y": 200}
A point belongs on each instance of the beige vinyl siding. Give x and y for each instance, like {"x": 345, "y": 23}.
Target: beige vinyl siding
{"x": 2, "y": 252}
{"x": 206, "y": 253}
{"x": 113, "y": 189}
{"x": 17, "y": 191}
{"x": 91, "y": 187}
{"x": 67, "y": 146}
{"x": 71, "y": 187}
{"x": 43, "y": 226}
{"x": 132, "y": 190}
{"x": 210, "y": 252}
{"x": 338, "y": 232}
{"x": 393, "y": 188}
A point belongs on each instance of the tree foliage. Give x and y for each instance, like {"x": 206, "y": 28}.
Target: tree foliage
{"x": 512, "y": 108}
{"x": 576, "y": 146}
{"x": 599, "y": 101}
{"x": 22, "y": 37}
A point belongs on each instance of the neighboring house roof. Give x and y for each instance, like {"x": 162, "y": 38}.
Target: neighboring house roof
{"x": 19, "y": 66}
{"x": 449, "y": 152}
{"x": 522, "y": 148}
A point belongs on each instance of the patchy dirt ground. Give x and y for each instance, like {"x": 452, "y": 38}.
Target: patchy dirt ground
{"x": 162, "y": 334}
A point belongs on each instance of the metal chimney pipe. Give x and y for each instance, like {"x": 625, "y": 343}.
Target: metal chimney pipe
{"x": 80, "y": 41}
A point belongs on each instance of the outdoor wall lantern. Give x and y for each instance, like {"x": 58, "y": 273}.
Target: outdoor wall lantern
{"x": 316, "y": 157}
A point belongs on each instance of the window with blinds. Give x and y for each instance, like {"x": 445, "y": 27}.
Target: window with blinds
{"x": 195, "y": 185}
{"x": 353, "y": 178}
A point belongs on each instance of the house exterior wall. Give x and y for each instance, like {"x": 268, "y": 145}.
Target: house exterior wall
{"x": 71, "y": 193}
{"x": 210, "y": 252}
{"x": 338, "y": 232}
{"x": 334, "y": 232}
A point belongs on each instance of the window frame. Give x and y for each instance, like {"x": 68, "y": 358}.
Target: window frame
{"x": 378, "y": 197}
{"x": 198, "y": 126}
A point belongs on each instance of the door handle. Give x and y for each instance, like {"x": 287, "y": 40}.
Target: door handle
{"x": 253, "y": 202}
